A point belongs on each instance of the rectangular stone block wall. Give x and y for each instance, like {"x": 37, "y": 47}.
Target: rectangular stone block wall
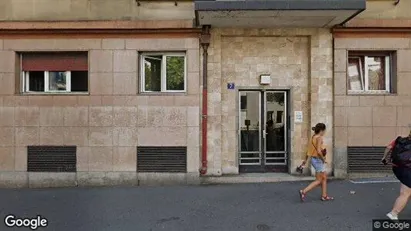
{"x": 370, "y": 120}
{"x": 301, "y": 60}
{"x": 107, "y": 124}
{"x": 75, "y": 10}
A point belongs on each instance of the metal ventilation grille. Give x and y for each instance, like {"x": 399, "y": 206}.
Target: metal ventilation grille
{"x": 51, "y": 158}
{"x": 161, "y": 159}
{"x": 366, "y": 160}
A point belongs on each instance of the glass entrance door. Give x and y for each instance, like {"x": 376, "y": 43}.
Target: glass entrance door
{"x": 263, "y": 131}
{"x": 275, "y": 142}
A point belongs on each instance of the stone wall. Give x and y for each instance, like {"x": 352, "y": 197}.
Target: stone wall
{"x": 370, "y": 120}
{"x": 297, "y": 59}
{"x": 73, "y": 10}
{"x": 107, "y": 124}
{"x": 386, "y": 10}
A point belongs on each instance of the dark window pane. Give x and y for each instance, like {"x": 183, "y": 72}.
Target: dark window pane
{"x": 79, "y": 81}
{"x": 250, "y": 140}
{"x": 243, "y": 102}
{"x": 175, "y": 73}
{"x": 279, "y": 117}
{"x": 36, "y": 81}
{"x": 152, "y": 73}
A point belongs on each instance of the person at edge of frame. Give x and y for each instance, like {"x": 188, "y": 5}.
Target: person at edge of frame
{"x": 401, "y": 170}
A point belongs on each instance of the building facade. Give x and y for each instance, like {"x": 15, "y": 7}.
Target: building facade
{"x": 141, "y": 92}
{"x": 371, "y": 79}
{"x": 269, "y": 81}
{"x": 82, "y": 93}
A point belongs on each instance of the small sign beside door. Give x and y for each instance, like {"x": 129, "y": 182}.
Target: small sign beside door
{"x": 230, "y": 86}
{"x": 298, "y": 116}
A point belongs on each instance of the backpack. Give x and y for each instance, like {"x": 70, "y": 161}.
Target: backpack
{"x": 401, "y": 152}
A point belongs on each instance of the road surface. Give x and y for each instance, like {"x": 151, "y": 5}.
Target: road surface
{"x": 241, "y": 207}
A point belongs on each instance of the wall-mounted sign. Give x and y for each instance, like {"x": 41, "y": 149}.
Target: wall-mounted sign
{"x": 298, "y": 116}
{"x": 265, "y": 79}
{"x": 230, "y": 86}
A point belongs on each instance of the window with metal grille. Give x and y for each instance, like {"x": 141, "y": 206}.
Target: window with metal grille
{"x": 161, "y": 159}
{"x": 51, "y": 158}
{"x": 366, "y": 159}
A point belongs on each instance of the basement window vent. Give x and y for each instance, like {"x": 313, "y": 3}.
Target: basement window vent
{"x": 51, "y": 158}
{"x": 366, "y": 160}
{"x": 162, "y": 159}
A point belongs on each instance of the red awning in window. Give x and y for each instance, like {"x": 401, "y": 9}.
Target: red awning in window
{"x": 55, "y": 61}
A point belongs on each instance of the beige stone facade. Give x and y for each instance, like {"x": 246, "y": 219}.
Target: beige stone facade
{"x": 109, "y": 121}
{"x": 370, "y": 120}
{"x": 299, "y": 60}
{"x": 107, "y": 124}
{"x": 73, "y": 10}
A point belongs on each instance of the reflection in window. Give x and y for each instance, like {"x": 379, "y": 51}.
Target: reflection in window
{"x": 175, "y": 73}
{"x": 163, "y": 73}
{"x": 369, "y": 73}
{"x": 152, "y": 73}
{"x": 279, "y": 117}
{"x": 57, "y": 81}
{"x": 250, "y": 121}
{"x": 275, "y": 127}
{"x": 54, "y": 72}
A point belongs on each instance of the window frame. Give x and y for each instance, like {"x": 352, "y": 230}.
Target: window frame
{"x": 26, "y": 83}
{"x": 389, "y": 65}
{"x": 163, "y": 79}
{"x": 23, "y": 77}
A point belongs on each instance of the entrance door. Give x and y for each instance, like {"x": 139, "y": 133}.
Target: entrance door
{"x": 263, "y": 131}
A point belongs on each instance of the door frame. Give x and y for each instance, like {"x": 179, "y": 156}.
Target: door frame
{"x": 288, "y": 109}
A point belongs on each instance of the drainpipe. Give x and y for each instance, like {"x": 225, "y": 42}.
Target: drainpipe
{"x": 205, "y": 42}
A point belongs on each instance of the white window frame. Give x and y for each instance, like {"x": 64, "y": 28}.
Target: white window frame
{"x": 365, "y": 78}
{"x": 163, "y": 72}
{"x": 26, "y": 82}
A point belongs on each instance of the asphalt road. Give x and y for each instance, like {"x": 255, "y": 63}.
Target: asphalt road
{"x": 245, "y": 207}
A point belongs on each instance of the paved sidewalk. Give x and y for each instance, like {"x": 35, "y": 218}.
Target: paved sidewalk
{"x": 239, "y": 207}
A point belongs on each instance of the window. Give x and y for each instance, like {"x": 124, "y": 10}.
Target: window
{"x": 279, "y": 117}
{"x": 163, "y": 72}
{"x": 370, "y": 73}
{"x": 243, "y": 102}
{"x": 54, "y": 72}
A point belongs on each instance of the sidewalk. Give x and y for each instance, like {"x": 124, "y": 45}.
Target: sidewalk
{"x": 234, "y": 207}
{"x": 255, "y": 178}
{"x": 285, "y": 177}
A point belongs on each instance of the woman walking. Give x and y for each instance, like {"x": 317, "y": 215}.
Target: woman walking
{"x": 317, "y": 151}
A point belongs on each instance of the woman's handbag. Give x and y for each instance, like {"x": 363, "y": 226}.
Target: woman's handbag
{"x": 324, "y": 152}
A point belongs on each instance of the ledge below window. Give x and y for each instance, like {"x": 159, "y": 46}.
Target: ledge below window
{"x": 55, "y": 93}
{"x": 163, "y": 94}
{"x": 368, "y": 93}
